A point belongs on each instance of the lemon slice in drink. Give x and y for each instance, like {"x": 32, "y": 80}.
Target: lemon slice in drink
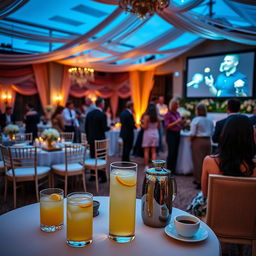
{"x": 128, "y": 181}
{"x": 85, "y": 205}
{"x": 55, "y": 197}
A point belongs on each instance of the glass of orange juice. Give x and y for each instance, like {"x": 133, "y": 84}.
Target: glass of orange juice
{"x": 122, "y": 209}
{"x": 79, "y": 219}
{"x": 51, "y": 209}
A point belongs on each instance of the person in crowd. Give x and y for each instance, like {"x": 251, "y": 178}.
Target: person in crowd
{"x": 150, "y": 141}
{"x": 162, "y": 109}
{"x": 31, "y": 119}
{"x": 230, "y": 82}
{"x": 70, "y": 119}
{"x": 201, "y": 131}
{"x": 127, "y": 130}
{"x": 109, "y": 116}
{"x": 57, "y": 119}
{"x": 80, "y": 112}
{"x": 7, "y": 117}
{"x": 236, "y": 152}
{"x": 253, "y": 117}
{"x": 95, "y": 128}
{"x": 90, "y": 106}
{"x": 233, "y": 107}
{"x": 173, "y": 125}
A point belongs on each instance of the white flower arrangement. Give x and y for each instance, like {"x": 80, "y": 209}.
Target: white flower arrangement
{"x": 183, "y": 112}
{"x": 50, "y": 134}
{"x": 11, "y": 129}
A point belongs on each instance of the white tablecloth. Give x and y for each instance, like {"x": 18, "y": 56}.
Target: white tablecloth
{"x": 184, "y": 161}
{"x": 114, "y": 146}
{"x": 20, "y": 235}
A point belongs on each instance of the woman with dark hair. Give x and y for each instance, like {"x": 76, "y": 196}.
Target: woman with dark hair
{"x": 150, "y": 141}
{"x": 201, "y": 131}
{"x": 236, "y": 151}
{"x": 57, "y": 119}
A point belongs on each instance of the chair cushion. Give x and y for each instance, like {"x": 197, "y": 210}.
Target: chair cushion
{"x": 71, "y": 167}
{"x": 92, "y": 161}
{"x": 25, "y": 172}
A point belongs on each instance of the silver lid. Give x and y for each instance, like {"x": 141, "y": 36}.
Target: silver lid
{"x": 158, "y": 168}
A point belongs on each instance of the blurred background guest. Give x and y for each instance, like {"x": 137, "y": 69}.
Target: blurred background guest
{"x": 233, "y": 107}
{"x": 31, "y": 119}
{"x": 236, "y": 151}
{"x": 150, "y": 124}
{"x": 57, "y": 119}
{"x": 7, "y": 118}
{"x": 201, "y": 132}
{"x": 173, "y": 124}
{"x": 162, "y": 109}
{"x": 253, "y": 117}
{"x": 127, "y": 130}
{"x": 95, "y": 128}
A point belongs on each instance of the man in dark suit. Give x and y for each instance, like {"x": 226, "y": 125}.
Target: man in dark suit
{"x": 31, "y": 119}
{"x": 127, "y": 128}
{"x": 95, "y": 128}
{"x": 233, "y": 107}
{"x": 7, "y": 118}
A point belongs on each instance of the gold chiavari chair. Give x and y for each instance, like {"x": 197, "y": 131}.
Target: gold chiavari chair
{"x": 67, "y": 136}
{"x": 74, "y": 165}
{"x": 21, "y": 166}
{"x": 100, "y": 160}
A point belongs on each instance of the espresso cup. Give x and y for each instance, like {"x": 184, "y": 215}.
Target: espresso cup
{"x": 186, "y": 225}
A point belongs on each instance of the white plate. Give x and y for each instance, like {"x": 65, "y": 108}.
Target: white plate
{"x": 200, "y": 235}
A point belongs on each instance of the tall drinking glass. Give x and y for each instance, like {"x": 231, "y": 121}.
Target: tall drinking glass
{"x": 79, "y": 219}
{"x": 51, "y": 209}
{"x": 123, "y": 179}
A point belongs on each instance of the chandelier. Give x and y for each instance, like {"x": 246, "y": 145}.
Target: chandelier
{"x": 143, "y": 8}
{"x": 80, "y": 76}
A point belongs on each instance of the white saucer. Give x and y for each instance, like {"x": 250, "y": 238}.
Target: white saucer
{"x": 200, "y": 235}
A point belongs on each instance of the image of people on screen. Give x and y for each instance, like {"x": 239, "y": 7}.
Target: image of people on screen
{"x": 230, "y": 82}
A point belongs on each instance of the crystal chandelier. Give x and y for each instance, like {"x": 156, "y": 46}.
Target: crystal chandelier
{"x": 80, "y": 76}
{"x": 143, "y": 8}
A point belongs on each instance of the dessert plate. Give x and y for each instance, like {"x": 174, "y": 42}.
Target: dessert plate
{"x": 200, "y": 235}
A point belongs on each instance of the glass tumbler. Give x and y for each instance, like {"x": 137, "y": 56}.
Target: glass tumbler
{"x": 122, "y": 209}
{"x": 79, "y": 219}
{"x": 51, "y": 209}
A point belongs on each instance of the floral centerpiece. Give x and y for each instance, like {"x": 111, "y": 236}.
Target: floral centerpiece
{"x": 11, "y": 130}
{"x": 185, "y": 115}
{"x": 50, "y": 135}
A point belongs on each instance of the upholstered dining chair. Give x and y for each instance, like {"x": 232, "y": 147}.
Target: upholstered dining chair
{"x": 231, "y": 209}
{"x": 67, "y": 136}
{"x": 24, "y": 137}
{"x": 73, "y": 166}
{"x": 100, "y": 160}
{"x": 21, "y": 166}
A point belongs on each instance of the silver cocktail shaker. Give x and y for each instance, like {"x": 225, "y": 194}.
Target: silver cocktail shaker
{"x": 158, "y": 192}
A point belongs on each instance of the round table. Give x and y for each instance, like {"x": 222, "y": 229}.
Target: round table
{"x": 20, "y": 235}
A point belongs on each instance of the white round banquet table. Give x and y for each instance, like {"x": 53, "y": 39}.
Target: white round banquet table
{"x": 20, "y": 235}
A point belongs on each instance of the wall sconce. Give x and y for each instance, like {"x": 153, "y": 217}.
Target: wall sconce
{"x": 58, "y": 99}
{"x": 6, "y": 97}
{"x": 92, "y": 96}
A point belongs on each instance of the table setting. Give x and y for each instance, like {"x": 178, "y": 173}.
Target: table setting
{"x": 119, "y": 226}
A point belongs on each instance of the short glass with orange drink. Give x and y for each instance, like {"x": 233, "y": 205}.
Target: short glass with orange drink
{"x": 51, "y": 209}
{"x": 79, "y": 219}
{"x": 122, "y": 210}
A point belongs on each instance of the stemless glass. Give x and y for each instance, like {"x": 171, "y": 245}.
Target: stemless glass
{"x": 123, "y": 179}
{"x": 51, "y": 209}
{"x": 79, "y": 219}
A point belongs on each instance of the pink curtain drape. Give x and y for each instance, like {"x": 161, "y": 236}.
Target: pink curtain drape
{"x": 65, "y": 85}
{"x": 141, "y": 86}
{"x": 42, "y": 84}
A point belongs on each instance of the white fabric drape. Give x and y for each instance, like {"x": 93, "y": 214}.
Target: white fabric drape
{"x": 9, "y": 6}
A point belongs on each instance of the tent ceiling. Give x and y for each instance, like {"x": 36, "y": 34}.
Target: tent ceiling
{"x": 67, "y": 20}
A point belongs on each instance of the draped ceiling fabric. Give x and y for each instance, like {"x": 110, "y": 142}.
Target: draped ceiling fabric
{"x": 98, "y": 49}
{"x": 26, "y": 80}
